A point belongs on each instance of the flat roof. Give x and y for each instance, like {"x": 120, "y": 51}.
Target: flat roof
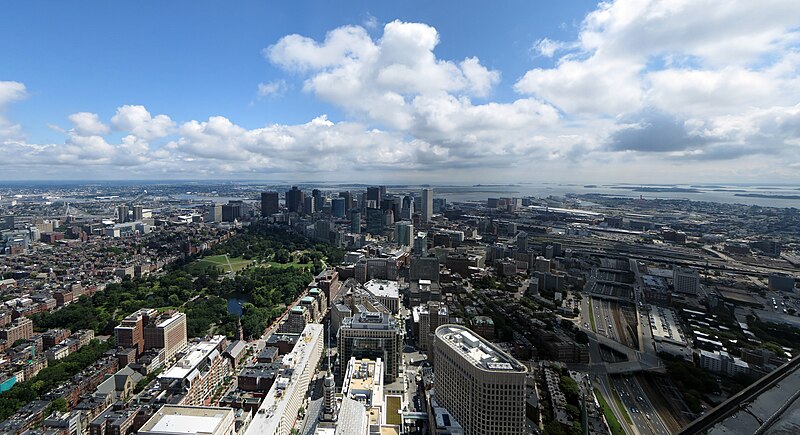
{"x": 172, "y": 419}
{"x": 480, "y": 352}
{"x": 383, "y": 288}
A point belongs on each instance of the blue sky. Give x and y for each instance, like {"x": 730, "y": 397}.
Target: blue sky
{"x": 601, "y": 92}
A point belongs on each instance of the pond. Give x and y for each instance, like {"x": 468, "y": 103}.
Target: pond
{"x": 235, "y": 302}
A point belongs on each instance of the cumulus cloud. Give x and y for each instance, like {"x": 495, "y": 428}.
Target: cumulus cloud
{"x": 138, "y": 121}
{"x": 642, "y": 83}
{"x": 377, "y": 79}
{"x": 10, "y": 92}
{"x": 88, "y": 124}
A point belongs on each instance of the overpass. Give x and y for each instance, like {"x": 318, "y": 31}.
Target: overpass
{"x": 637, "y": 361}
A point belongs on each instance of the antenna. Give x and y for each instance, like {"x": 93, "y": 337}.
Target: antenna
{"x": 329, "y": 346}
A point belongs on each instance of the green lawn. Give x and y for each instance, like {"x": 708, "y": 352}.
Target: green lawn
{"x": 613, "y": 423}
{"x": 237, "y": 263}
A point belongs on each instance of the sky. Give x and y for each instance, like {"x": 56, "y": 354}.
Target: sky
{"x": 639, "y": 91}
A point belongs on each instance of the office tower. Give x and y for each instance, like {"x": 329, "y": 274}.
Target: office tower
{"x": 407, "y": 208}
{"x": 319, "y": 199}
{"x": 431, "y": 316}
{"x": 310, "y": 205}
{"x": 231, "y": 211}
{"x": 375, "y": 221}
{"x": 348, "y": 199}
{"x": 481, "y": 386}
{"x": 381, "y": 193}
{"x": 355, "y": 221}
{"x": 166, "y": 332}
{"x": 686, "y": 280}
{"x": 138, "y": 212}
{"x": 388, "y": 218}
{"x": 404, "y": 233}
{"x": 372, "y": 335}
{"x": 213, "y": 213}
{"x": 269, "y": 203}
{"x": 338, "y": 207}
{"x": 129, "y": 334}
{"x": 427, "y": 205}
{"x": 421, "y": 244}
{"x": 374, "y": 194}
{"x": 122, "y": 213}
{"x": 294, "y": 200}
{"x": 439, "y": 205}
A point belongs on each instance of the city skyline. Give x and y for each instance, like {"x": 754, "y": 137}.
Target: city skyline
{"x": 639, "y": 92}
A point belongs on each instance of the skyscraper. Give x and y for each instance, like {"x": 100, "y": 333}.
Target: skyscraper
{"x": 122, "y": 213}
{"x": 481, "y": 386}
{"x": 338, "y": 207}
{"x": 355, "y": 221}
{"x": 319, "y": 199}
{"x": 374, "y": 194}
{"x": 404, "y": 233}
{"x": 294, "y": 200}
{"x": 375, "y": 221}
{"x": 407, "y": 208}
{"x": 138, "y": 212}
{"x": 427, "y": 205}
{"x": 348, "y": 199}
{"x": 372, "y": 335}
{"x": 269, "y": 203}
{"x": 310, "y": 205}
{"x": 421, "y": 244}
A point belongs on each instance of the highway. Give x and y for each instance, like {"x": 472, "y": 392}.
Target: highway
{"x": 641, "y": 410}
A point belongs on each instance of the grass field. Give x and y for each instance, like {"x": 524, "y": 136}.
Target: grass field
{"x": 621, "y": 407}
{"x": 237, "y": 263}
{"x": 611, "y": 419}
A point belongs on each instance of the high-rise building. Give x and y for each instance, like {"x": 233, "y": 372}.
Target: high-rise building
{"x": 231, "y": 211}
{"x": 686, "y": 280}
{"x": 319, "y": 199}
{"x": 338, "y": 207}
{"x": 269, "y": 203}
{"x": 431, "y": 316}
{"x": 421, "y": 244}
{"x": 381, "y": 193}
{"x": 310, "y": 205}
{"x": 122, "y": 213}
{"x": 372, "y": 335}
{"x": 407, "y": 208}
{"x": 481, "y": 386}
{"x": 294, "y": 200}
{"x": 167, "y": 332}
{"x": 404, "y": 233}
{"x": 355, "y": 221}
{"x": 213, "y": 213}
{"x": 374, "y": 194}
{"x": 375, "y": 221}
{"x": 129, "y": 334}
{"x": 138, "y": 212}
{"x": 427, "y": 205}
{"x": 348, "y": 199}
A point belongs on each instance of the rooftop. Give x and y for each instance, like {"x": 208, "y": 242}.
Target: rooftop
{"x": 477, "y": 350}
{"x": 197, "y": 353}
{"x": 383, "y": 288}
{"x": 172, "y": 419}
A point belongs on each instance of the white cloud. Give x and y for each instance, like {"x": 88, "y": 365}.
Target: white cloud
{"x": 276, "y": 87}
{"x": 10, "y": 92}
{"x": 138, "y": 121}
{"x": 88, "y": 124}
